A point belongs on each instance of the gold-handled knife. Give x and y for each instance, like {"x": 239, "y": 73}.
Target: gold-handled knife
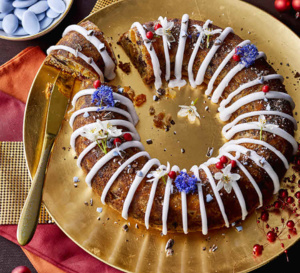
{"x": 58, "y": 104}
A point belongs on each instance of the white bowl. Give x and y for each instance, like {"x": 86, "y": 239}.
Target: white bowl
{"x": 55, "y": 23}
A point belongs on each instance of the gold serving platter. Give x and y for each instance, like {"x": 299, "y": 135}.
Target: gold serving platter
{"x": 141, "y": 250}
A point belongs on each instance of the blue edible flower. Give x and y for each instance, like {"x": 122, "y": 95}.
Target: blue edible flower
{"x": 103, "y": 96}
{"x": 186, "y": 183}
{"x": 248, "y": 54}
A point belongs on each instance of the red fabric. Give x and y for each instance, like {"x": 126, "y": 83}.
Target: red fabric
{"x": 49, "y": 242}
{"x": 11, "y": 118}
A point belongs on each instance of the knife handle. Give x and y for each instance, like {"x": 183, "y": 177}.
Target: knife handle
{"x": 31, "y": 210}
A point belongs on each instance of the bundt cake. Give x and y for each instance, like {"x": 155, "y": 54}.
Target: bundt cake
{"x": 252, "y": 98}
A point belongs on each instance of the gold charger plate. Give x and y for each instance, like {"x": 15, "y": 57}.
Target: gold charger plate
{"x": 139, "y": 250}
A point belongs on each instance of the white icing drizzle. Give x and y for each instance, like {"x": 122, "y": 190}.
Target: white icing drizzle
{"x": 247, "y": 85}
{"x": 257, "y": 113}
{"x": 256, "y": 158}
{"x": 110, "y": 155}
{"x": 80, "y": 55}
{"x": 195, "y": 170}
{"x": 108, "y": 62}
{"x": 249, "y": 176}
{"x": 184, "y": 213}
{"x": 226, "y": 113}
{"x": 97, "y": 109}
{"x": 262, "y": 143}
{"x": 167, "y": 201}
{"x": 166, "y": 51}
{"x": 122, "y": 99}
{"x": 194, "y": 54}
{"x": 178, "y": 81}
{"x": 118, "y": 172}
{"x": 216, "y": 193}
{"x": 210, "y": 85}
{"x": 85, "y": 152}
{"x": 250, "y": 126}
{"x": 151, "y": 51}
{"x": 210, "y": 54}
{"x": 136, "y": 182}
{"x": 114, "y": 122}
{"x": 235, "y": 187}
{"x": 229, "y": 76}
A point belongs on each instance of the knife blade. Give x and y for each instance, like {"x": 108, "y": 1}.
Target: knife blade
{"x": 58, "y": 104}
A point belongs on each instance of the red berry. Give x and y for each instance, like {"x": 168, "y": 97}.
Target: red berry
{"x": 172, "y": 174}
{"x": 283, "y": 193}
{"x": 264, "y": 216}
{"x": 21, "y": 269}
{"x": 271, "y": 236}
{"x": 290, "y": 224}
{"x": 257, "y": 250}
{"x": 219, "y": 165}
{"x": 266, "y": 88}
{"x": 290, "y": 200}
{"x": 157, "y": 26}
{"x": 127, "y": 137}
{"x": 277, "y": 205}
{"x": 97, "y": 83}
{"x": 149, "y": 35}
{"x": 236, "y": 57}
{"x": 223, "y": 159}
{"x": 117, "y": 141}
{"x": 297, "y": 194}
{"x": 282, "y": 5}
{"x": 233, "y": 163}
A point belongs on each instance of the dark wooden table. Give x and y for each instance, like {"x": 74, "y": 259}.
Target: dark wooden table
{"x": 10, "y": 254}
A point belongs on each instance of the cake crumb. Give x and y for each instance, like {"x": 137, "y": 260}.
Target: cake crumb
{"x": 139, "y": 100}
{"x": 125, "y": 67}
{"x": 125, "y": 228}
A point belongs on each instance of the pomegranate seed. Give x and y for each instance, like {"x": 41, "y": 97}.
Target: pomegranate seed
{"x": 264, "y": 216}
{"x": 271, "y": 236}
{"x": 290, "y": 224}
{"x": 266, "y": 88}
{"x": 97, "y": 83}
{"x": 223, "y": 159}
{"x": 277, "y": 205}
{"x": 297, "y": 194}
{"x": 157, "y": 26}
{"x": 149, "y": 35}
{"x": 233, "y": 163}
{"x": 290, "y": 200}
{"x": 219, "y": 165}
{"x": 257, "y": 249}
{"x": 236, "y": 57}
{"x": 117, "y": 141}
{"x": 283, "y": 193}
{"x": 127, "y": 137}
{"x": 172, "y": 174}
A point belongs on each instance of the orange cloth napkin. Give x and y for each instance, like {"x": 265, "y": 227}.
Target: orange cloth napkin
{"x": 13, "y": 80}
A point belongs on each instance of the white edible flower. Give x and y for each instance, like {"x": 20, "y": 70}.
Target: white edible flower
{"x": 161, "y": 171}
{"x": 101, "y": 130}
{"x": 113, "y": 131}
{"x": 207, "y": 31}
{"x": 189, "y": 111}
{"x": 94, "y": 133}
{"x": 262, "y": 123}
{"x": 165, "y": 30}
{"x": 226, "y": 178}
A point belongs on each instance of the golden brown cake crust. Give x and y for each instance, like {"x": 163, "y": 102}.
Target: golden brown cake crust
{"x": 76, "y": 66}
{"x": 133, "y": 45}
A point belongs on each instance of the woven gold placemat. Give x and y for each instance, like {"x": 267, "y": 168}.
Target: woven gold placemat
{"x": 14, "y": 178}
